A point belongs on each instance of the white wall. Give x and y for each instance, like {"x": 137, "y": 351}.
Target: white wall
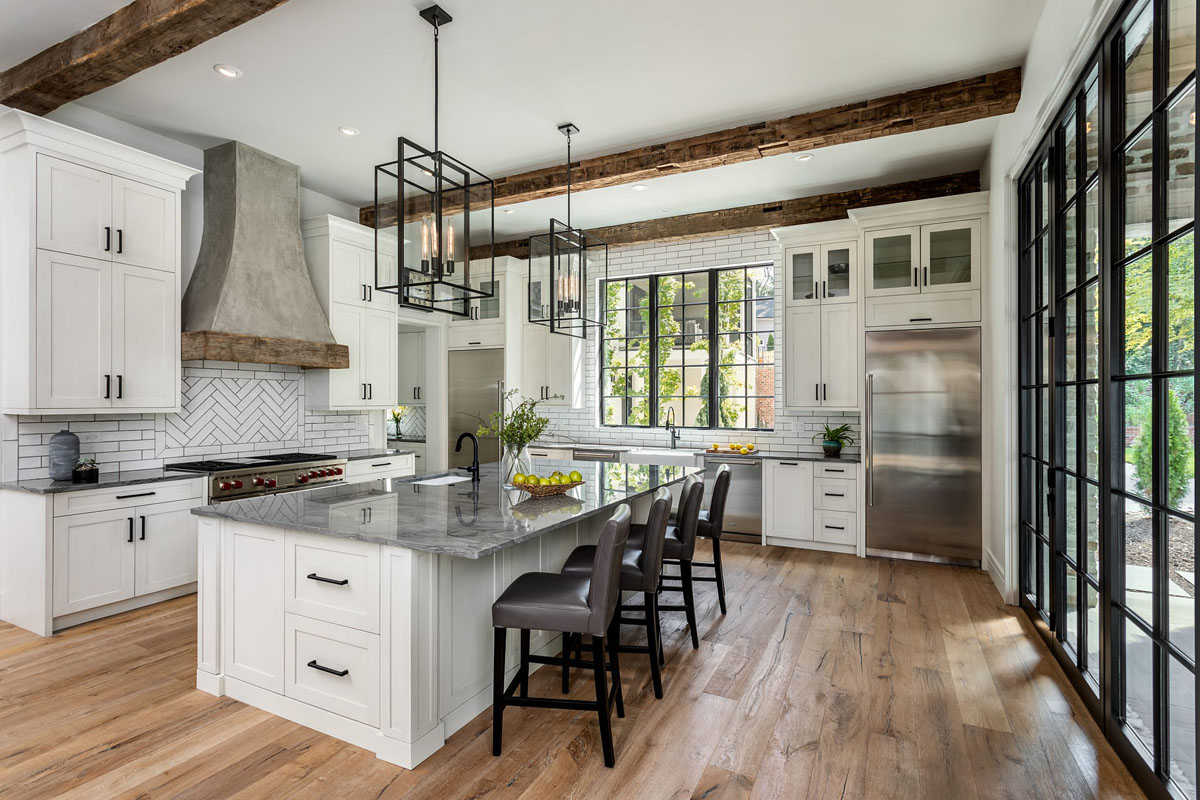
{"x": 1066, "y": 34}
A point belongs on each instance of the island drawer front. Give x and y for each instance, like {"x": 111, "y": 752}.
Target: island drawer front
{"x": 843, "y": 471}
{"x": 368, "y": 469}
{"x": 831, "y": 494}
{"x": 332, "y": 667}
{"x": 334, "y": 580}
{"x": 141, "y": 494}
{"x": 835, "y": 527}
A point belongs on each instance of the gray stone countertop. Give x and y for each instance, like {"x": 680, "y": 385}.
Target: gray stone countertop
{"x": 464, "y": 520}
{"x": 360, "y": 454}
{"x": 783, "y": 455}
{"x": 107, "y": 481}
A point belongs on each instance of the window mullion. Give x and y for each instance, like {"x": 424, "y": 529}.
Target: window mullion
{"x": 714, "y": 409}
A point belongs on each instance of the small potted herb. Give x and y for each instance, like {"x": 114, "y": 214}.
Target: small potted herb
{"x": 516, "y": 429}
{"x": 834, "y": 439}
{"x": 85, "y": 471}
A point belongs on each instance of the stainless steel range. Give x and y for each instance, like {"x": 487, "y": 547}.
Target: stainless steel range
{"x": 252, "y": 476}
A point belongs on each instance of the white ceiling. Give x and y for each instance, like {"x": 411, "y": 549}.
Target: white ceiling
{"x": 627, "y": 72}
{"x": 27, "y": 27}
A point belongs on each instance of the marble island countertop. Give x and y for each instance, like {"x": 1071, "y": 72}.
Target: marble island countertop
{"x": 464, "y": 520}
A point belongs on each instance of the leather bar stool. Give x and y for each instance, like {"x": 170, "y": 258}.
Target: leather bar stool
{"x": 641, "y": 569}
{"x": 679, "y": 546}
{"x": 709, "y": 526}
{"x": 567, "y": 604}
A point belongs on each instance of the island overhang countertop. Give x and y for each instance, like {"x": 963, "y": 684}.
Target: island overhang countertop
{"x": 467, "y": 519}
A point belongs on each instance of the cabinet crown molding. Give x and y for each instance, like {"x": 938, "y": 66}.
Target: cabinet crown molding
{"x": 938, "y": 209}
{"x": 18, "y": 128}
{"x": 816, "y": 232}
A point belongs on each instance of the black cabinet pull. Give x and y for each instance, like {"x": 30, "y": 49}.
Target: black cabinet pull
{"x": 927, "y": 276}
{"x": 312, "y": 576}
{"x": 341, "y": 673}
{"x": 817, "y": 392}
{"x": 369, "y": 297}
{"x": 108, "y": 387}
{"x": 120, "y": 240}
{"x": 130, "y": 539}
{"x": 138, "y": 494}
{"x": 143, "y": 536}
{"x": 825, "y": 388}
{"x": 120, "y": 386}
{"x": 474, "y": 342}
{"x": 789, "y": 463}
{"x": 835, "y": 527}
{"x": 107, "y": 238}
{"x": 915, "y": 277}
{"x": 384, "y": 464}
{"x": 834, "y": 494}
{"x": 921, "y": 319}
{"x": 824, "y": 290}
{"x": 831, "y": 469}
{"x": 418, "y": 392}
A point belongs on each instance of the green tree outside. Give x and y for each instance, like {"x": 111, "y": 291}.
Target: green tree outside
{"x": 1179, "y": 447}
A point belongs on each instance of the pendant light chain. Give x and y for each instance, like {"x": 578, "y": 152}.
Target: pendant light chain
{"x": 568, "y": 177}
{"x": 436, "y": 31}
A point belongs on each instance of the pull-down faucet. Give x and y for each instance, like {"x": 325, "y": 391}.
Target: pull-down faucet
{"x": 671, "y": 427}
{"x": 474, "y": 468}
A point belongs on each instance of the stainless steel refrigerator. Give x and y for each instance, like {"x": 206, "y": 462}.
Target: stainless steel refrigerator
{"x": 475, "y": 382}
{"x": 923, "y": 445}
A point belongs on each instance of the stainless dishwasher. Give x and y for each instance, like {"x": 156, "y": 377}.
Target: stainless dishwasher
{"x": 743, "y": 508}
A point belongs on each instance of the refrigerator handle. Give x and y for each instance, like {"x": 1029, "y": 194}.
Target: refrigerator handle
{"x": 870, "y": 439}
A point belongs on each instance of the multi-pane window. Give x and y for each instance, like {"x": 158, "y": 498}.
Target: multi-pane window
{"x": 667, "y": 335}
{"x": 1107, "y": 385}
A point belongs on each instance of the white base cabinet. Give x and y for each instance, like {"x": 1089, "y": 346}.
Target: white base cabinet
{"x": 810, "y": 504}
{"x": 82, "y": 555}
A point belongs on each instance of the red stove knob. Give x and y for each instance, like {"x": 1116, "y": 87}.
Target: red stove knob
{"x": 226, "y": 486}
{"x": 325, "y": 473}
{"x": 238, "y": 484}
{"x": 314, "y": 474}
{"x": 302, "y": 478}
{"x": 258, "y": 482}
{"x": 337, "y": 470}
{"x": 271, "y": 483}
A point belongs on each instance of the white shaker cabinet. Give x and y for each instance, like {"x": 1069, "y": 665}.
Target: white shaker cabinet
{"x": 821, "y": 347}
{"x": 165, "y": 555}
{"x": 787, "y": 499}
{"x": 924, "y": 259}
{"x": 821, "y": 274}
{"x": 91, "y": 256}
{"x": 94, "y": 560}
{"x": 410, "y": 358}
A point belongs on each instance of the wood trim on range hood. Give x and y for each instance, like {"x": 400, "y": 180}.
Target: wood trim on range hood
{"x": 248, "y": 349}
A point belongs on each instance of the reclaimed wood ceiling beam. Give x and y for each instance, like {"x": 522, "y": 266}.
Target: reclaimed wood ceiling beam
{"x": 966, "y": 100}
{"x": 132, "y": 38}
{"x": 760, "y": 217}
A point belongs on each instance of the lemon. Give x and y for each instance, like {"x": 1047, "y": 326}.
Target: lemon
{"x": 544, "y": 481}
{"x": 518, "y": 479}
{"x": 744, "y": 451}
{"x": 576, "y": 476}
{"x": 750, "y": 447}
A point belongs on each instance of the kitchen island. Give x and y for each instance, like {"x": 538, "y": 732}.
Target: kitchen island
{"x": 364, "y": 611}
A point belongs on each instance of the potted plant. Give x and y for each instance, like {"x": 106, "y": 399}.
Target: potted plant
{"x": 834, "y": 439}
{"x": 516, "y": 429}
{"x": 85, "y": 471}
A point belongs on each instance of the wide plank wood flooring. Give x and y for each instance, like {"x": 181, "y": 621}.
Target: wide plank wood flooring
{"x": 830, "y": 677}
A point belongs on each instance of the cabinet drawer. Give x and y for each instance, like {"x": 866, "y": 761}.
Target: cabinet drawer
{"x": 835, "y": 527}
{"x": 334, "y": 580}
{"x": 369, "y": 469}
{"x": 839, "y": 470}
{"x": 127, "y": 496}
{"x": 333, "y": 667}
{"x": 474, "y": 335}
{"x": 923, "y": 309}
{"x": 832, "y": 494}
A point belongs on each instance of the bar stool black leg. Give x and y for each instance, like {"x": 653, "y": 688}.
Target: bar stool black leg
{"x": 524, "y": 663}
{"x": 613, "y": 637}
{"x": 606, "y": 740}
{"x": 689, "y": 601}
{"x": 501, "y": 639}
{"x": 662, "y": 656}
{"x": 652, "y": 640}
{"x": 567, "y": 643}
{"x": 716, "y": 543}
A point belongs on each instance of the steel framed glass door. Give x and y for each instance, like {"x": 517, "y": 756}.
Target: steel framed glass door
{"x": 1106, "y": 349}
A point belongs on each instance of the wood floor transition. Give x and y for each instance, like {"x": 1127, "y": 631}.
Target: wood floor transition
{"x": 830, "y": 677}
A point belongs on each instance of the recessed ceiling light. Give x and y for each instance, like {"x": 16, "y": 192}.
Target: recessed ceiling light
{"x": 346, "y": 130}
{"x": 506, "y": 210}
{"x": 227, "y": 71}
{"x": 804, "y": 157}
{"x": 638, "y": 187}
{"x": 664, "y": 210}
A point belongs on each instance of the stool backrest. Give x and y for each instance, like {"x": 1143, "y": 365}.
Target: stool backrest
{"x": 691, "y": 498}
{"x": 716, "y": 507}
{"x": 604, "y": 592}
{"x": 656, "y": 532}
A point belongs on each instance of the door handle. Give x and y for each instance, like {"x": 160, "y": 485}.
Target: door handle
{"x": 130, "y": 539}
{"x": 139, "y": 494}
{"x": 916, "y": 279}
{"x": 341, "y": 673}
{"x": 107, "y": 238}
{"x": 824, "y": 289}
{"x": 926, "y": 276}
{"x": 921, "y": 319}
{"x": 870, "y": 439}
{"x": 143, "y": 536}
{"x": 817, "y": 392}
{"x": 108, "y": 387}
{"x": 120, "y": 381}
{"x": 836, "y": 527}
{"x": 833, "y": 494}
{"x": 120, "y": 240}
{"x": 362, "y": 292}
{"x": 370, "y": 391}
{"x": 825, "y": 390}
{"x": 312, "y": 576}
{"x": 370, "y": 294}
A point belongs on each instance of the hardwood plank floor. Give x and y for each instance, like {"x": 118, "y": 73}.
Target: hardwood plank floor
{"x": 830, "y": 677}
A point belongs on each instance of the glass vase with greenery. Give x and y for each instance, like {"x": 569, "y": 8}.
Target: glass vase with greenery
{"x": 516, "y": 428}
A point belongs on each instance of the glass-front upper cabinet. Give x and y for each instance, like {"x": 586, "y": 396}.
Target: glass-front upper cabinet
{"x": 481, "y": 308}
{"x": 893, "y": 259}
{"x": 821, "y": 273}
{"x": 951, "y": 254}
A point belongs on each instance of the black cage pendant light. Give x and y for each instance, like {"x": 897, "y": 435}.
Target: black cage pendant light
{"x": 434, "y": 220}
{"x": 566, "y": 268}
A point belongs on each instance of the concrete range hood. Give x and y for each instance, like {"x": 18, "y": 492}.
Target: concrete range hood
{"x": 250, "y": 298}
